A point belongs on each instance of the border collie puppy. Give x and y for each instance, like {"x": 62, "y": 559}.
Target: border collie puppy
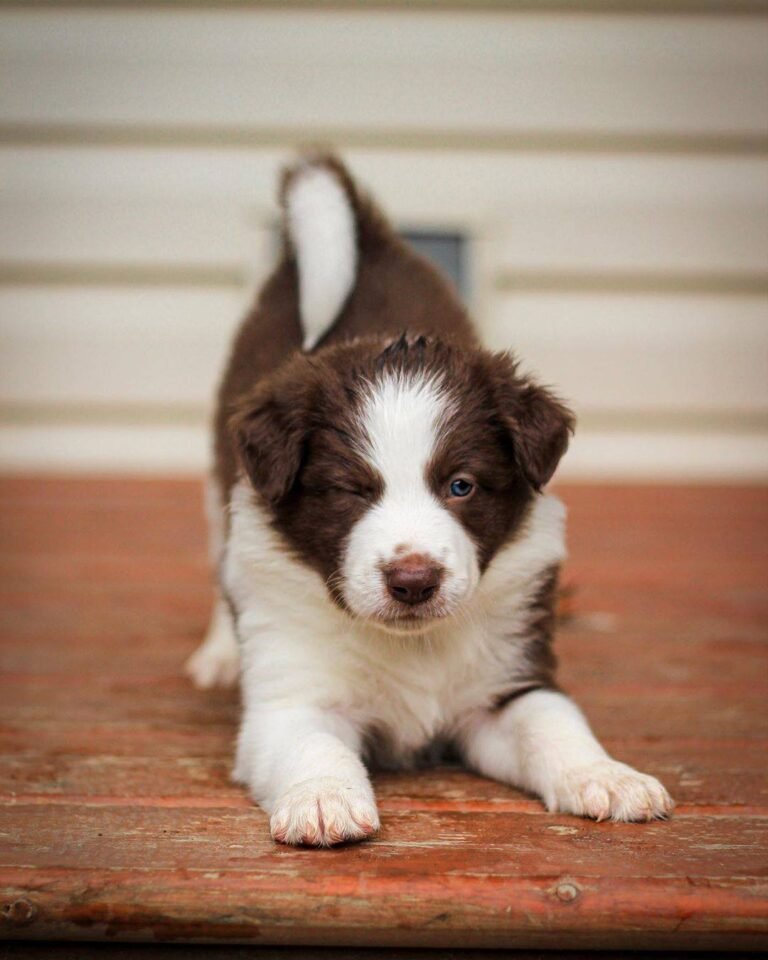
{"x": 388, "y": 561}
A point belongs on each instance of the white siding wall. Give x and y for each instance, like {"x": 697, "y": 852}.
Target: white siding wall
{"x": 610, "y": 168}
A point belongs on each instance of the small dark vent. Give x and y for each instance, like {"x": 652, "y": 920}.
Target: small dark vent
{"x": 447, "y": 250}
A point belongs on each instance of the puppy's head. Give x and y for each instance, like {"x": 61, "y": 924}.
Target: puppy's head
{"x": 398, "y": 471}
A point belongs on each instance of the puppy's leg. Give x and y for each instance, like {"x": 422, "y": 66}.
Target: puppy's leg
{"x": 216, "y": 661}
{"x": 303, "y": 766}
{"x": 542, "y": 743}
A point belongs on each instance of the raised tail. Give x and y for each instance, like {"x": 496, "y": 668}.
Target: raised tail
{"x": 350, "y": 264}
{"x": 321, "y": 206}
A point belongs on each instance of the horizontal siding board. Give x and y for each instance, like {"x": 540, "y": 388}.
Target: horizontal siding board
{"x": 642, "y": 353}
{"x": 128, "y": 230}
{"x": 458, "y": 182}
{"x": 154, "y": 345}
{"x": 100, "y": 448}
{"x": 716, "y": 455}
{"x": 116, "y": 346}
{"x": 306, "y": 69}
{"x": 715, "y": 8}
{"x": 542, "y": 238}
{"x": 636, "y": 238}
{"x": 216, "y": 207}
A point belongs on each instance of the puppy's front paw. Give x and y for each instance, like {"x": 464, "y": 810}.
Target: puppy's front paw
{"x": 324, "y": 812}
{"x": 609, "y": 790}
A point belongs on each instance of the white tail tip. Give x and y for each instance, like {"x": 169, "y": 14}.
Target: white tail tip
{"x": 321, "y": 227}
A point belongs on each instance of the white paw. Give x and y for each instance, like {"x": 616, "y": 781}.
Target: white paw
{"x": 609, "y": 790}
{"x": 323, "y": 812}
{"x": 213, "y": 666}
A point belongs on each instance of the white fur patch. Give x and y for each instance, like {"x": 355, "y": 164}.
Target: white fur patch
{"x": 543, "y": 743}
{"x": 321, "y": 225}
{"x": 216, "y": 662}
{"x": 401, "y": 420}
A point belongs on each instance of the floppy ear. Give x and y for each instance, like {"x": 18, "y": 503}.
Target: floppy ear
{"x": 270, "y": 429}
{"x": 538, "y": 423}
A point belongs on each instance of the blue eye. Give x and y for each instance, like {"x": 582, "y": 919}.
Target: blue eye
{"x": 461, "y": 488}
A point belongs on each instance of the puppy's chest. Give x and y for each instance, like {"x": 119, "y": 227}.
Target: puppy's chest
{"x": 413, "y": 697}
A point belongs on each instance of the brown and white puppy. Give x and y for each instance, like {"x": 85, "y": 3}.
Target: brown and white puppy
{"x": 388, "y": 561}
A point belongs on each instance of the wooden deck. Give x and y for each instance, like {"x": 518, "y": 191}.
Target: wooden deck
{"x": 118, "y": 820}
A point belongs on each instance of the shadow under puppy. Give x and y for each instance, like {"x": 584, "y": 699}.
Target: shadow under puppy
{"x": 388, "y": 562}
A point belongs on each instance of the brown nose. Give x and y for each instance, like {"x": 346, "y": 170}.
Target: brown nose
{"x": 413, "y": 579}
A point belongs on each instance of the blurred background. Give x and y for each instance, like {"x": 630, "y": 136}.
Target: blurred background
{"x": 594, "y": 174}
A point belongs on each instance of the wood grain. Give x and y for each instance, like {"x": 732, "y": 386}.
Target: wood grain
{"x": 118, "y": 820}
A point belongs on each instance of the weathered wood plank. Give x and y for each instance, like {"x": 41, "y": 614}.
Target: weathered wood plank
{"x": 712, "y": 775}
{"x": 139, "y": 760}
{"x": 358, "y": 908}
{"x": 499, "y": 844}
{"x": 611, "y": 712}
